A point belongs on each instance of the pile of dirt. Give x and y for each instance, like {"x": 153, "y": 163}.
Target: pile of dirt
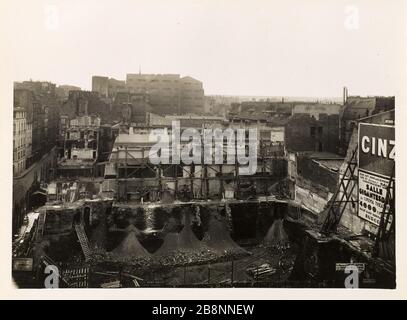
{"x": 130, "y": 247}
{"x": 187, "y": 238}
{"x": 171, "y": 243}
{"x": 184, "y": 240}
{"x": 276, "y": 236}
{"x": 183, "y": 248}
{"x": 218, "y": 239}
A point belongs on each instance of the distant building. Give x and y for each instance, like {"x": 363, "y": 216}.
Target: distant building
{"x": 80, "y": 103}
{"x": 165, "y": 93}
{"x": 316, "y": 109}
{"x": 356, "y": 108}
{"x": 63, "y": 125}
{"x": 21, "y": 136}
{"x": 300, "y": 126}
{"x": 80, "y": 147}
{"x": 63, "y": 91}
{"x": 116, "y": 86}
{"x": 42, "y": 107}
{"x": 26, "y": 99}
{"x": 169, "y": 93}
{"x": 100, "y": 85}
{"x": 108, "y": 87}
{"x": 197, "y": 121}
{"x": 304, "y": 132}
{"x": 192, "y": 96}
{"x": 38, "y": 87}
{"x": 130, "y": 107}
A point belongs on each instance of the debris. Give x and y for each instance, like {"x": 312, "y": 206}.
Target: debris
{"x": 130, "y": 246}
{"x": 276, "y": 236}
{"x": 262, "y": 271}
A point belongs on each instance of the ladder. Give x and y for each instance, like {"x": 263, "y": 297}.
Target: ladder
{"x": 83, "y": 240}
{"x": 41, "y": 224}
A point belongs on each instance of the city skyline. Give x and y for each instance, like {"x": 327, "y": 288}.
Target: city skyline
{"x": 338, "y": 97}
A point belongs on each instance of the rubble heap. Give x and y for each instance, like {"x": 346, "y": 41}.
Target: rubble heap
{"x": 218, "y": 238}
{"x": 276, "y": 237}
{"x": 130, "y": 247}
{"x": 185, "y": 240}
{"x": 183, "y": 247}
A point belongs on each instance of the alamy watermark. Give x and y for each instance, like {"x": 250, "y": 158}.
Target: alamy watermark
{"x": 352, "y": 280}
{"x": 52, "y": 280}
{"x": 206, "y": 146}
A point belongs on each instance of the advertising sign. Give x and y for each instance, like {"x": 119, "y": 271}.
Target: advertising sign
{"x": 376, "y": 161}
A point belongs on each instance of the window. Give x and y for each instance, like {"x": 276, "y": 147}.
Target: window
{"x": 319, "y": 130}
{"x": 312, "y": 131}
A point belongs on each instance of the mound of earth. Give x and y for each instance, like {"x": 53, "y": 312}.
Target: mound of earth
{"x": 184, "y": 240}
{"x": 276, "y": 236}
{"x": 130, "y": 247}
{"x": 217, "y": 238}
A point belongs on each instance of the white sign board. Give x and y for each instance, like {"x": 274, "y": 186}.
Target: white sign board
{"x": 372, "y": 196}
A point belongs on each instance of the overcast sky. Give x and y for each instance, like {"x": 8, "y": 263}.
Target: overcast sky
{"x": 291, "y": 48}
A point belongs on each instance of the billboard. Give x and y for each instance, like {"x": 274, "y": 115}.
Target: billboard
{"x": 376, "y": 162}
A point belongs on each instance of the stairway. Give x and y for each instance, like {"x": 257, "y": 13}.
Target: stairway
{"x": 83, "y": 240}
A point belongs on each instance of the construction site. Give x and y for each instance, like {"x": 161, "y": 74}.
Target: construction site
{"x": 110, "y": 218}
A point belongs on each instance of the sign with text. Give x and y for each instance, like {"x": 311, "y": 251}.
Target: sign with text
{"x": 372, "y": 196}
{"x": 376, "y": 161}
{"x": 376, "y": 148}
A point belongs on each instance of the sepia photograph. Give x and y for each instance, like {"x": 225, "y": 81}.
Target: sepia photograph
{"x": 203, "y": 144}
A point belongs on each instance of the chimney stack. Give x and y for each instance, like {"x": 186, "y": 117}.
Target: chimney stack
{"x": 345, "y": 95}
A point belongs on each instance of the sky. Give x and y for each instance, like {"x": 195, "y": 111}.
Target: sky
{"x": 269, "y": 48}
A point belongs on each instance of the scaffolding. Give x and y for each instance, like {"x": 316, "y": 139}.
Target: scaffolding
{"x": 342, "y": 196}
{"x": 384, "y": 247}
{"x": 196, "y": 177}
